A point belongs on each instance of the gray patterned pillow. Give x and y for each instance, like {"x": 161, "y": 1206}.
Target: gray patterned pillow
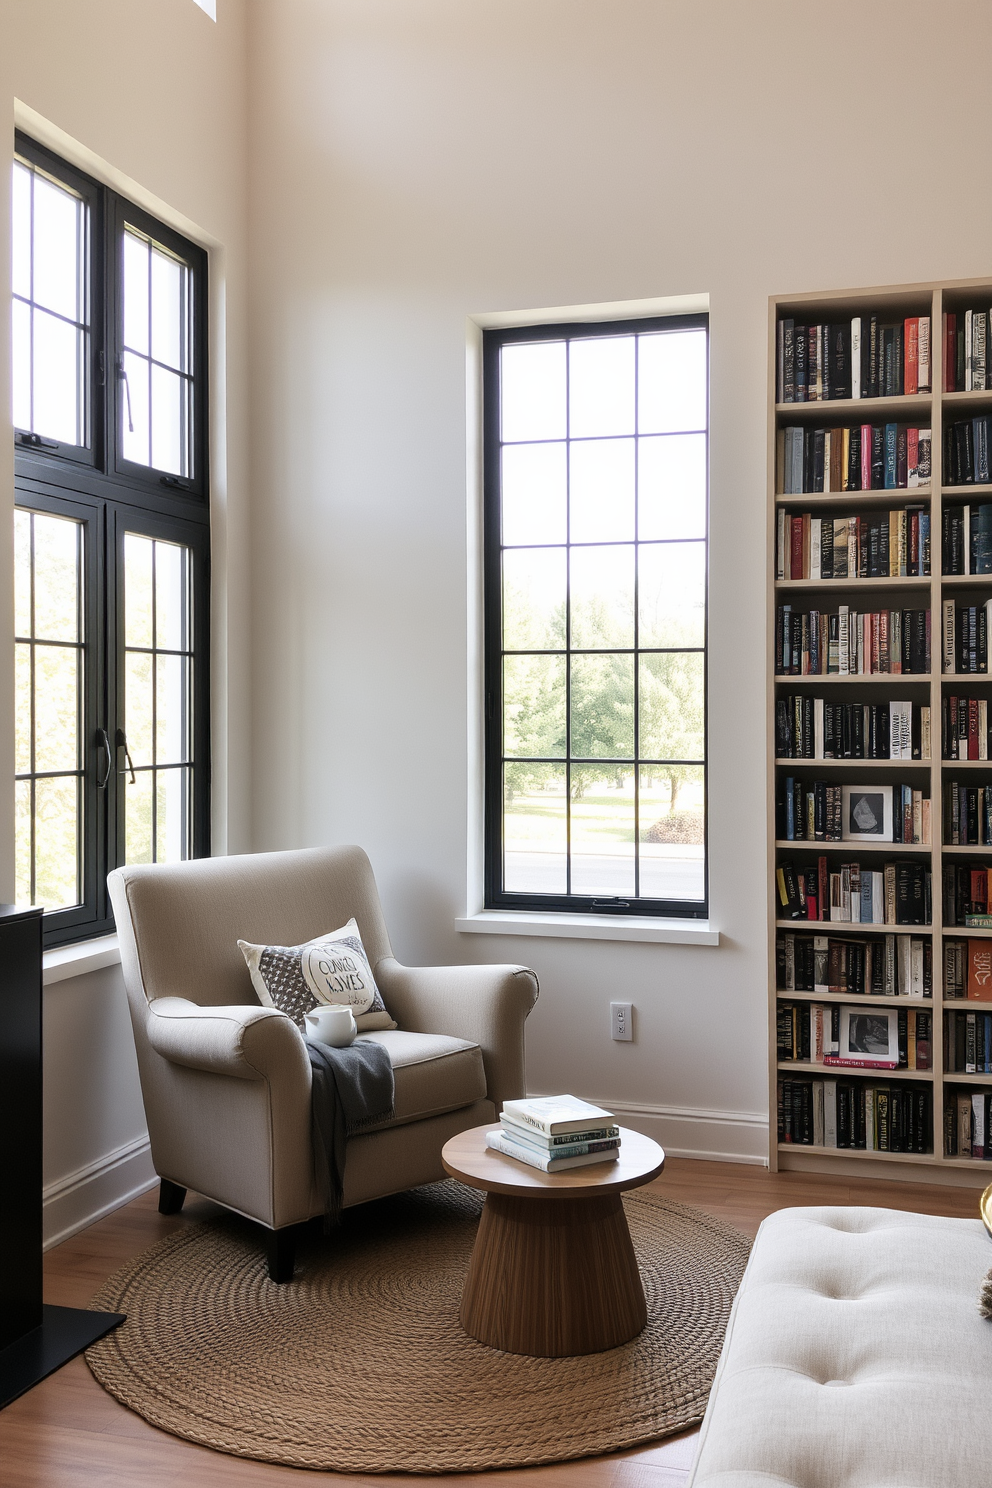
{"x": 331, "y": 968}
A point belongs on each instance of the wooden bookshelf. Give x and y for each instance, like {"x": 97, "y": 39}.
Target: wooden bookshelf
{"x": 933, "y": 409}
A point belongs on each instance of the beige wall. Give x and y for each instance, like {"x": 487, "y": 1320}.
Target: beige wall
{"x": 151, "y": 97}
{"x": 415, "y": 162}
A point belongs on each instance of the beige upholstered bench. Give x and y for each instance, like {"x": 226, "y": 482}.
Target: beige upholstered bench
{"x": 856, "y": 1357}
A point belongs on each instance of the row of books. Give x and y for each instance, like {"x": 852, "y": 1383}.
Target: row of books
{"x": 968, "y": 970}
{"x": 966, "y": 452}
{"x": 967, "y": 895}
{"x": 967, "y": 814}
{"x": 852, "y": 642}
{"x": 966, "y": 351}
{"x": 854, "y": 966}
{"x": 824, "y": 811}
{"x": 817, "y": 728}
{"x": 876, "y": 545}
{"x": 863, "y": 357}
{"x": 966, "y": 539}
{"x": 854, "y": 893}
{"x": 965, "y": 636}
{"x": 856, "y": 1115}
{"x": 862, "y": 457}
{"x": 555, "y": 1133}
{"x": 812, "y": 1033}
{"x": 968, "y": 1043}
{"x": 968, "y": 1125}
{"x": 964, "y": 728}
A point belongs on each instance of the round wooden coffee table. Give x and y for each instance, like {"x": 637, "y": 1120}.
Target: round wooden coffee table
{"x": 553, "y": 1271}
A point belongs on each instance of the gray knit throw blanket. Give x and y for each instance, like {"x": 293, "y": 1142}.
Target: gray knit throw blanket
{"x": 352, "y": 1090}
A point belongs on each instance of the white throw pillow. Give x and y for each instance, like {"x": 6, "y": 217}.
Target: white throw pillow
{"x": 332, "y": 968}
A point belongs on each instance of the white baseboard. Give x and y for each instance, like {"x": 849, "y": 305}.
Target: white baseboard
{"x": 78, "y": 1199}
{"x": 697, "y": 1132}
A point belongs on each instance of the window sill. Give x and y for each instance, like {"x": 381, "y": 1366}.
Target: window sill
{"x": 589, "y": 927}
{"x": 63, "y": 962}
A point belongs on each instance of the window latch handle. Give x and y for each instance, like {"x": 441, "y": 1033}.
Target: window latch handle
{"x": 103, "y": 742}
{"x": 122, "y": 375}
{"x": 35, "y": 441}
{"x": 122, "y": 744}
{"x": 613, "y": 903}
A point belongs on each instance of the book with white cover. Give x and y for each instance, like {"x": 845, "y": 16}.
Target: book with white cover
{"x": 552, "y": 1114}
{"x": 526, "y": 1133}
{"x": 534, "y": 1158}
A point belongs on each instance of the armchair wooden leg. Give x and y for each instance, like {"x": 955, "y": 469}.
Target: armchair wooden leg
{"x": 170, "y": 1197}
{"x": 281, "y": 1246}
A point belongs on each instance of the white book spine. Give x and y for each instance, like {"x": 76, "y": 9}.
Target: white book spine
{"x": 983, "y": 729}
{"x": 843, "y": 641}
{"x": 923, "y": 354}
{"x": 947, "y": 631}
{"x": 878, "y": 898}
{"x": 856, "y": 356}
{"x": 826, "y": 460}
{"x": 818, "y": 728}
{"x": 783, "y": 550}
{"x": 815, "y": 535}
{"x": 830, "y": 1113}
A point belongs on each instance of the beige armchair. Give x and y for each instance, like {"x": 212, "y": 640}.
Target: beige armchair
{"x": 226, "y": 1082}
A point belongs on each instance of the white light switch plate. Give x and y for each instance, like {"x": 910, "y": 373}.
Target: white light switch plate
{"x": 621, "y": 1018}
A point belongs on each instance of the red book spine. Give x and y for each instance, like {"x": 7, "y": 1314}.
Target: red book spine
{"x": 950, "y": 351}
{"x": 973, "y": 728}
{"x": 914, "y": 543}
{"x": 866, "y": 457}
{"x": 911, "y": 342}
{"x": 883, "y": 641}
{"x": 796, "y": 564}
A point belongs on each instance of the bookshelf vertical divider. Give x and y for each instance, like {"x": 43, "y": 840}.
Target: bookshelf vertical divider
{"x": 891, "y": 304}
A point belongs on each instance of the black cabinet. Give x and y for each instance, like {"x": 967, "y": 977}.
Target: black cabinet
{"x": 34, "y": 1338}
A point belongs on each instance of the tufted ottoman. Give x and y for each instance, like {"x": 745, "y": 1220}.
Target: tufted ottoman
{"x": 856, "y": 1357}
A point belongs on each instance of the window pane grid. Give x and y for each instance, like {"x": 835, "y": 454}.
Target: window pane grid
{"x": 48, "y": 794}
{"x": 157, "y": 701}
{"x": 156, "y": 409}
{"x": 51, "y": 316}
{"x": 606, "y": 687}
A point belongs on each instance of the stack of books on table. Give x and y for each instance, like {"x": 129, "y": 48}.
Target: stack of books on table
{"x": 556, "y": 1132}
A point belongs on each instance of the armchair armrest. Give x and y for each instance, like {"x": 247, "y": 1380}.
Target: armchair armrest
{"x": 249, "y": 1043}
{"x": 486, "y": 1004}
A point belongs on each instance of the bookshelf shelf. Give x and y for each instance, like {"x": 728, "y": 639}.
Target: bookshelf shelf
{"x": 846, "y": 1071}
{"x": 862, "y": 679}
{"x": 832, "y": 411}
{"x": 855, "y": 849}
{"x": 865, "y": 764}
{"x": 907, "y": 581}
{"x": 860, "y": 997}
{"x": 859, "y": 1152}
{"x": 936, "y": 409}
{"x": 845, "y": 927}
{"x": 913, "y": 496}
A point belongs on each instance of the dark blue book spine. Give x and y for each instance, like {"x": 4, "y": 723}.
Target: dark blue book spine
{"x": 891, "y": 453}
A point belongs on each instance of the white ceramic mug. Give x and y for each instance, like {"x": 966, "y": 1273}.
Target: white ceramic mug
{"x": 332, "y": 1023}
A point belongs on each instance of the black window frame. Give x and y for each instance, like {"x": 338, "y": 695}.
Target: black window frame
{"x": 112, "y": 496}
{"x": 495, "y": 896}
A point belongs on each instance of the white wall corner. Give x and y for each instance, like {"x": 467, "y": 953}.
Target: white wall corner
{"x": 78, "y": 1199}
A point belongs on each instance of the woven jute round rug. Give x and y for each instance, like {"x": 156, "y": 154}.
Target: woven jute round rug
{"x": 360, "y": 1364}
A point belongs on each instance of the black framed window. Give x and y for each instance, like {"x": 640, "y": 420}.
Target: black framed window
{"x": 596, "y": 460}
{"x": 111, "y": 542}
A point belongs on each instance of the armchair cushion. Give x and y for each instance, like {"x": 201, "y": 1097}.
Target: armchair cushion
{"x": 331, "y": 968}
{"x": 433, "y": 1073}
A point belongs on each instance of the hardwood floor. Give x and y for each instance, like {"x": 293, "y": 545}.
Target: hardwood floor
{"x": 67, "y": 1433}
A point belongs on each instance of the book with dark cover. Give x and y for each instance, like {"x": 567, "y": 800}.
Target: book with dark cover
{"x": 839, "y": 361}
{"x": 891, "y": 457}
{"x": 877, "y": 458}
{"x": 871, "y": 345}
{"x": 981, "y": 539}
{"x": 854, "y": 459}
{"x": 788, "y": 393}
{"x": 800, "y": 340}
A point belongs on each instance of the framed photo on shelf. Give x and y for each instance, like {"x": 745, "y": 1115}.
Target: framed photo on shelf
{"x": 867, "y": 813}
{"x": 869, "y": 1038}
